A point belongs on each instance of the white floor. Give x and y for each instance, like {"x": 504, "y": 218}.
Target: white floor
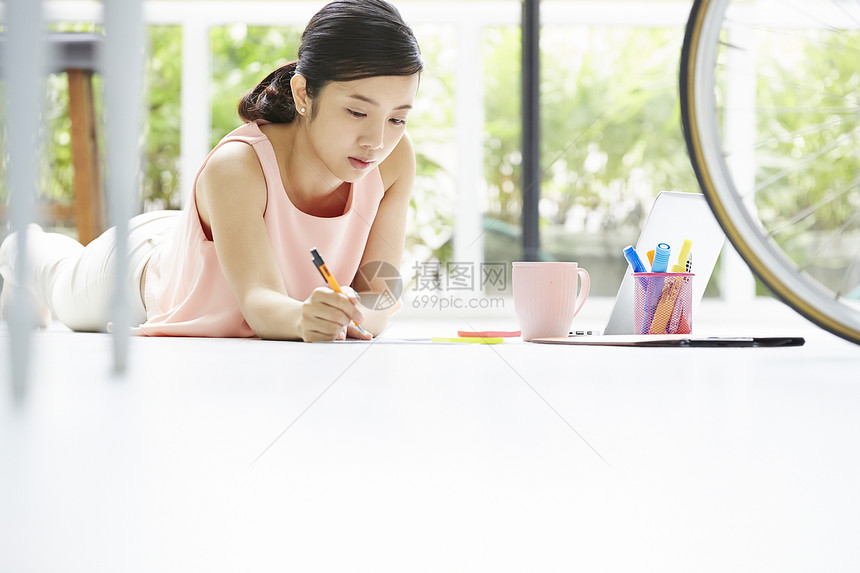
{"x": 246, "y": 455}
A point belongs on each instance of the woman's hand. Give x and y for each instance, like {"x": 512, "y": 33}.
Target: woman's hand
{"x": 328, "y": 315}
{"x": 351, "y": 330}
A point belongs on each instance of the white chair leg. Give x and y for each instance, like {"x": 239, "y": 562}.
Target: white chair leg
{"x": 123, "y": 72}
{"x": 23, "y": 65}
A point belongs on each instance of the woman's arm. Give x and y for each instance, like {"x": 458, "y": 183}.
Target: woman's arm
{"x": 231, "y": 200}
{"x": 387, "y": 235}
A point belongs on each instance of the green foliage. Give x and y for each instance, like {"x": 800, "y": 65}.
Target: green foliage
{"x": 502, "y": 123}
{"x": 241, "y": 57}
{"x": 808, "y": 171}
{"x": 163, "y": 120}
{"x": 56, "y": 176}
{"x": 610, "y": 136}
{"x": 623, "y": 81}
{"x": 430, "y": 219}
{"x": 161, "y": 129}
{"x": 807, "y": 129}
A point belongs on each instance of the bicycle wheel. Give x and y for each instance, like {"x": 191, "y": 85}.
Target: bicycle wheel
{"x": 770, "y": 103}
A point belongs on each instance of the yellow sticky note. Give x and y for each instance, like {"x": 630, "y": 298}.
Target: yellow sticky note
{"x": 471, "y": 339}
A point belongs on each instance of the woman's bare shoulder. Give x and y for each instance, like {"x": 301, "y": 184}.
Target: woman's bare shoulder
{"x": 231, "y": 180}
{"x": 232, "y": 164}
{"x": 399, "y": 164}
{"x": 231, "y": 159}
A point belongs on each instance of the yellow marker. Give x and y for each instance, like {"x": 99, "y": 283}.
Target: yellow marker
{"x": 670, "y": 293}
{"x": 471, "y": 339}
{"x": 681, "y": 265}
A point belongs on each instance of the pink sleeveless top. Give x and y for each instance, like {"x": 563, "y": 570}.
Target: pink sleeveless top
{"x": 186, "y": 292}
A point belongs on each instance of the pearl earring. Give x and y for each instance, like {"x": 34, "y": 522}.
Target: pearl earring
{"x": 302, "y": 110}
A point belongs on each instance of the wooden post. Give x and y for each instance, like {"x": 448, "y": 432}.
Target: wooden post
{"x": 89, "y": 204}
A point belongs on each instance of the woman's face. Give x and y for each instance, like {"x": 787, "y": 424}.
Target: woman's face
{"x": 355, "y": 125}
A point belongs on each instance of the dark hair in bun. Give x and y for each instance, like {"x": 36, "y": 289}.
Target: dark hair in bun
{"x": 346, "y": 40}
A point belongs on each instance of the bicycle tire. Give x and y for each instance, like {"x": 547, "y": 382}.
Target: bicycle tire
{"x": 785, "y": 277}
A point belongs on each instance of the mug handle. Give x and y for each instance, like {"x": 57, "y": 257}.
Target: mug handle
{"x": 583, "y": 289}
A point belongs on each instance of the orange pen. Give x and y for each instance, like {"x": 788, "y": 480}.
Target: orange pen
{"x": 329, "y": 278}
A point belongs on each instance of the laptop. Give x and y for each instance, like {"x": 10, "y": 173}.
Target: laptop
{"x": 674, "y": 217}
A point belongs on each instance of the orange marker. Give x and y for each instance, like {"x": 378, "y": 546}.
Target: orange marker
{"x": 329, "y": 278}
{"x": 650, "y": 255}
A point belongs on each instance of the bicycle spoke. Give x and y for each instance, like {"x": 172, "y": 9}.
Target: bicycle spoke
{"x": 846, "y": 12}
{"x": 812, "y": 130}
{"x": 773, "y": 80}
{"x": 847, "y": 111}
{"x": 807, "y": 37}
{"x": 805, "y": 161}
{"x": 812, "y": 209}
{"x": 819, "y": 20}
{"x": 788, "y": 136}
{"x": 830, "y": 240}
{"x": 832, "y": 110}
{"x": 842, "y": 291}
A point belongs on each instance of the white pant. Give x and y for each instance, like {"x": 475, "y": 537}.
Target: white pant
{"x": 76, "y": 282}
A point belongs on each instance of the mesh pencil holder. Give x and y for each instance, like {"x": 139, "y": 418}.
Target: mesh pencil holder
{"x": 663, "y": 303}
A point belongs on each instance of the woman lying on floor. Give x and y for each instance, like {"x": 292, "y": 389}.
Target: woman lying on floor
{"x": 323, "y": 161}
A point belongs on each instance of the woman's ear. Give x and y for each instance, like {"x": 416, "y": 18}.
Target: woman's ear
{"x": 299, "y": 86}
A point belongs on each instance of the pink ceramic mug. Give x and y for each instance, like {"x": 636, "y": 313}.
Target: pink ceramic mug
{"x": 545, "y": 298}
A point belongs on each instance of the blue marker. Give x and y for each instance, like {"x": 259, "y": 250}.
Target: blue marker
{"x": 636, "y": 264}
{"x": 661, "y": 259}
{"x": 633, "y": 258}
{"x": 654, "y": 288}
